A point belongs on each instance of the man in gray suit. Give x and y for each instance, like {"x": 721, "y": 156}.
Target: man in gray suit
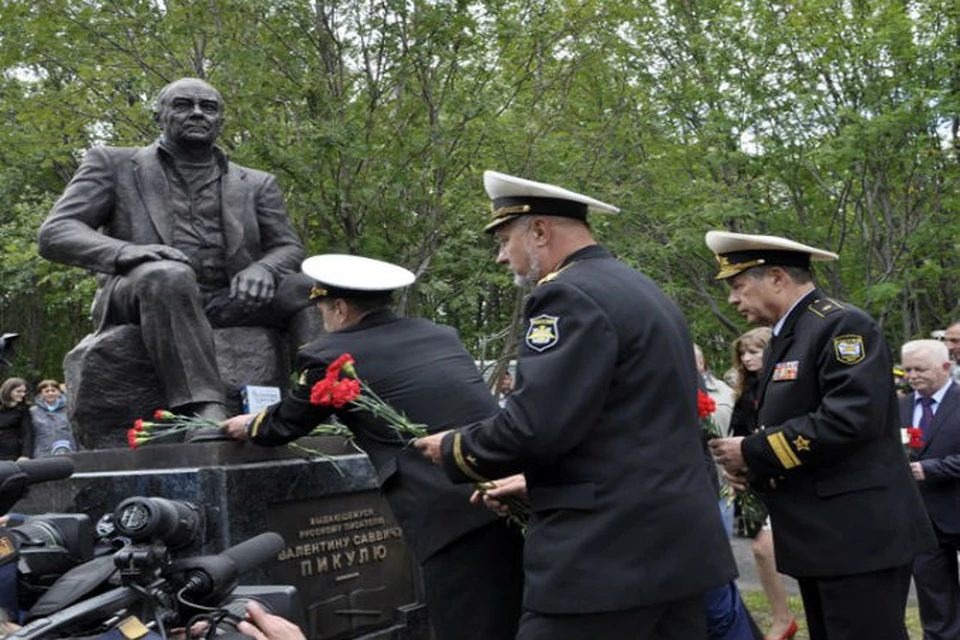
{"x": 184, "y": 241}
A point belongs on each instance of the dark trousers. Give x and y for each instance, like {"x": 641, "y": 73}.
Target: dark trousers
{"x": 937, "y": 580}
{"x": 177, "y": 317}
{"x": 474, "y": 585}
{"x": 727, "y": 617}
{"x": 867, "y": 605}
{"x": 676, "y": 620}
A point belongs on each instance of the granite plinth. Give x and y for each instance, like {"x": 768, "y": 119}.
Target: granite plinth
{"x": 344, "y": 552}
{"x": 112, "y": 381}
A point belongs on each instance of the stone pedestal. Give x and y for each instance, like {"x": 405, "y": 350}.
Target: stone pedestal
{"x": 112, "y": 382}
{"x": 355, "y": 575}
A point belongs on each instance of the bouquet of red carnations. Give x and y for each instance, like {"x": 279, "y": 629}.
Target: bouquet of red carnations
{"x": 337, "y": 392}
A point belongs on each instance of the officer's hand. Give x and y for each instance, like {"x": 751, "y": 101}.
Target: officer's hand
{"x": 236, "y": 427}
{"x": 491, "y": 492}
{"x": 736, "y": 480}
{"x": 133, "y": 254}
{"x": 728, "y": 454}
{"x": 917, "y": 469}
{"x": 430, "y": 446}
{"x": 253, "y": 286}
{"x": 265, "y": 626}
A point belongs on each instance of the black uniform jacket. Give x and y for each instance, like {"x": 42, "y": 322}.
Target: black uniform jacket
{"x": 829, "y": 461}
{"x": 940, "y": 459}
{"x": 603, "y": 421}
{"x": 421, "y": 369}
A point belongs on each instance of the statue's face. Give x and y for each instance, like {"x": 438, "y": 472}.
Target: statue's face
{"x": 191, "y": 114}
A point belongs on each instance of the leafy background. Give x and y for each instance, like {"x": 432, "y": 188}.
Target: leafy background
{"x": 832, "y": 122}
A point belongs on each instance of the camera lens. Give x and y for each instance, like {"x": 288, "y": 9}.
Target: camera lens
{"x": 172, "y": 522}
{"x": 38, "y": 532}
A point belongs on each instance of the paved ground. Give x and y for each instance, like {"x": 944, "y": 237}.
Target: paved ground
{"x": 748, "y": 577}
{"x": 748, "y": 580}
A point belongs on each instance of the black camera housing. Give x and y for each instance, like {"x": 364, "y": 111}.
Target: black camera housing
{"x": 50, "y": 545}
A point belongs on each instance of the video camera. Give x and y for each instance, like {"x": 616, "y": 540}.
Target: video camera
{"x": 141, "y": 578}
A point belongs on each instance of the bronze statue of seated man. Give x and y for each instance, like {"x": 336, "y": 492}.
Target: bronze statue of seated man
{"x": 185, "y": 241}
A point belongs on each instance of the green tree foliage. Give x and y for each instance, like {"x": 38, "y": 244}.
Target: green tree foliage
{"x": 832, "y": 122}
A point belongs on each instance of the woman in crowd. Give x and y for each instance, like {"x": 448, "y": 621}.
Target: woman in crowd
{"x": 747, "y": 357}
{"x": 16, "y": 432}
{"x": 52, "y": 434}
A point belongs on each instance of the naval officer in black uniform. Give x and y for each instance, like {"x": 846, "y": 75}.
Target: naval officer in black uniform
{"x": 847, "y": 517}
{"x": 624, "y": 536}
{"x": 471, "y": 560}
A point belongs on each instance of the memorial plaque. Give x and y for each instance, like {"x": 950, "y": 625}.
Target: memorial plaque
{"x": 348, "y": 557}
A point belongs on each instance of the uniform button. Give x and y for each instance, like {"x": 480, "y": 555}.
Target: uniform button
{"x": 773, "y": 483}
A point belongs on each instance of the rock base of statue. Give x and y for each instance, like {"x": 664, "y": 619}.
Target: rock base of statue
{"x": 112, "y": 382}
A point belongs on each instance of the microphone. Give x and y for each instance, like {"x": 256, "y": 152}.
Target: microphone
{"x": 44, "y": 469}
{"x": 16, "y": 477}
{"x": 208, "y": 579}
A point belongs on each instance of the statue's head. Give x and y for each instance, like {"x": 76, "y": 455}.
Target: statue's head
{"x": 190, "y": 113}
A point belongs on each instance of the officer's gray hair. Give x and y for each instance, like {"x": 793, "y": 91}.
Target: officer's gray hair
{"x": 799, "y": 275}
{"x": 933, "y": 348}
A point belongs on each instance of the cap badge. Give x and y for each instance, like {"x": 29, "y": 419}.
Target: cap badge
{"x": 500, "y": 212}
{"x": 543, "y": 332}
{"x": 849, "y": 349}
{"x": 317, "y": 292}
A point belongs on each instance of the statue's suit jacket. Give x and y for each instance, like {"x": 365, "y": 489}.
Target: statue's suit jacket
{"x": 120, "y": 196}
{"x": 940, "y": 459}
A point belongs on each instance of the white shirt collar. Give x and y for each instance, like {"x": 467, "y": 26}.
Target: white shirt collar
{"x": 937, "y": 396}
{"x": 779, "y": 326}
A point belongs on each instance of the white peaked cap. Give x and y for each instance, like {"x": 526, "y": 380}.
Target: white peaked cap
{"x": 737, "y": 252}
{"x": 512, "y": 197}
{"x": 341, "y": 274}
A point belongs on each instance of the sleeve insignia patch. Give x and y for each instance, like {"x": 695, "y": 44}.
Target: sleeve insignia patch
{"x": 543, "y": 332}
{"x": 801, "y": 444}
{"x": 786, "y": 370}
{"x": 849, "y": 349}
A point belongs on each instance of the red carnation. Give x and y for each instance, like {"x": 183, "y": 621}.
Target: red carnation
{"x": 322, "y": 392}
{"x": 705, "y": 404}
{"x": 132, "y": 438}
{"x": 138, "y": 424}
{"x": 916, "y": 438}
{"x": 344, "y": 361}
{"x": 162, "y": 414}
{"x": 344, "y": 392}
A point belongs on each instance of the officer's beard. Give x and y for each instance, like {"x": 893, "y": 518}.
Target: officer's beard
{"x": 532, "y": 276}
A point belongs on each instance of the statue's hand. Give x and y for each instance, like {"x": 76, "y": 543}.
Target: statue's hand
{"x": 133, "y": 254}
{"x": 253, "y": 286}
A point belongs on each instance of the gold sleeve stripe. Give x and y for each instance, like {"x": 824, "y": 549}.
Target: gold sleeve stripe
{"x": 784, "y": 453}
{"x": 462, "y": 463}
{"x": 255, "y": 427}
